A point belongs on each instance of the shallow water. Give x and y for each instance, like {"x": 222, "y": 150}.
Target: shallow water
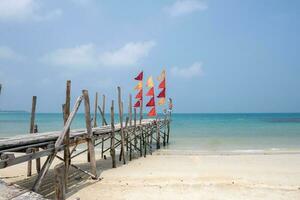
{"x": 201, "y": 132}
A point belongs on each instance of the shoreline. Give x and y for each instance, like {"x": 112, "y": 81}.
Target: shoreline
{"x": 169, "y": 175}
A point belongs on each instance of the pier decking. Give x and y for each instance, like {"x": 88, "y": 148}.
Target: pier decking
{"x": 132, "y": 137}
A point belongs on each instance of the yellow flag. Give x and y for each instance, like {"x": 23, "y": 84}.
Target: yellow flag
{"x": 161, "y": 101}
{"x": 162, "y": 75}
{"x": 139, "y": 86}
{"x": 150, "y": 83}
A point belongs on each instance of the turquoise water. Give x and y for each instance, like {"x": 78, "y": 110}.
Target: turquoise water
{"x": 207, "y": 132}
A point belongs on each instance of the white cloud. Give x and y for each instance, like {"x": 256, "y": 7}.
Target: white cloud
{"x": 7, "y": 53}
{"x": 129, "y": 54}
{"x": 80, "y": 56}
{"x": 188, "y": 72}
{"x": 183, "y": 7}
{"x": 86, "y": 56}
{"x": 22, "y": 10}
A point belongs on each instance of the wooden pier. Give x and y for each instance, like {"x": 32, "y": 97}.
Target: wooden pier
{"x": 131, "y": 137}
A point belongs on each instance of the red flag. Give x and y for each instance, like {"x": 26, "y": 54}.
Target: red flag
{"x": 137, "y": 104}
{"x": 152, "y": 112}
{"x": 162, "y": 93}
{"x": 151, "y": 102}
{"x": 139, "y": 77}
{"x": 150, "y": 92}
{"x": 162, "y": 84}
{"x": 139, "y": 95}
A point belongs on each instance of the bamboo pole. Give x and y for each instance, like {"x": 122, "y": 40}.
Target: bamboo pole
{"x": 141, "y": 111}
{"x": 134, "y": 123}
{"x": 31, "y": 130}
{"x": 157, "y": 134}
{"x": 112, "y": 141}
{"x": 90, "y": 138}
{"x": 122, "y": 154}
{"x": 38, "y": 160}
{"x": 95, "y": 111}
{"x": 67, "y": 136}
{"x": 103, "y": 123}
{"x": 130, "y": 109}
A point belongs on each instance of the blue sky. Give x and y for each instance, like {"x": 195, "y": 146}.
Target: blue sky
{"x": 220, "y": 56}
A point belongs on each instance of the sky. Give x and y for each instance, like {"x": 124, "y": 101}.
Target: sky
{"x": 219, "y": 56}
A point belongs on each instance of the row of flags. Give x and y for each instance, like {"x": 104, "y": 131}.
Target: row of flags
{"x": 151, "y": 92}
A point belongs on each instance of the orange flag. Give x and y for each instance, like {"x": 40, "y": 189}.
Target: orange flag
{"x": 150, "y": 92}
{"x": 137, "y": 104}
{"x": 140, "y": 76}
{"x": 151, "y": 102}
{"x": 139, "y": 86}
{"x": 152, "y": 112}
{"x": 139, "y": 95}
{"x": 150, "y": 83}
{"x": 162, "y": 84}
{"x": 161, "y": 101}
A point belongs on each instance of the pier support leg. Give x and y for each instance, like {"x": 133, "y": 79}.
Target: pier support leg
{"x": 157, "y": 135}
{"x": 60, "y": 189}
{"x": 90, "y": 140}
{"x": 112, "y": 140}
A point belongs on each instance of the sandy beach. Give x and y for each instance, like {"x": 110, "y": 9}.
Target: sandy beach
{"x": 169, "y": 175}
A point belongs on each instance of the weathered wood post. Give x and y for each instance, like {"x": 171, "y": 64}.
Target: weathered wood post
{"x": 66, "y": 107}
{"x": 38, "y": 160}
{"x": 112, "y": 140}
{"x": 59, "y": 182}
{"x": 90, "y": 138}
{"x": 95, "y": 111}
{"x": 57, "y": 145}
{"x": 134, "y": 124}
{"x": 157, "y": 134}
{"x": 103, "y": 123}
{"x": 165, "y": 127}
{"x": 168, "y": 127}
{"x": 31, "y": 130}
{"x": 122, "y": 154}
{"x": 130, "y": 109}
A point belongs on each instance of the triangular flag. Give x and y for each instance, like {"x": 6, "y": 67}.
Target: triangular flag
{"x": 150, "y": 92}
{"x": 139, "y": 77}
{"x": 151, "y": 102}
{"x": 161, "y": 101}
{"x": 139, "y": 95}
{"x": 162, "y": 84}
{"x": 162, "y": 75}
{"x": 150, "y": 83}
{"x": 139, "y": 86}
{"x": 162, "y": 93}
{"x": 152, "y": 112}
{"x": 137, "y": 104}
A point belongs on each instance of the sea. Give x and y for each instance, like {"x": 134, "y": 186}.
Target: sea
{"x": 213, "y": 132}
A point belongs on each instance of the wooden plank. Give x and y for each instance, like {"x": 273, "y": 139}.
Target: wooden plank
{"x": 59, "y": 182}
{"x": 15, "y": 192}
{"x": 31, "y": 130}
{"x": 90, "y": 139}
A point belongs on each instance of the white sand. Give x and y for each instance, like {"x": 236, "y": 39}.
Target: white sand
{"x": 184, "y": 177}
